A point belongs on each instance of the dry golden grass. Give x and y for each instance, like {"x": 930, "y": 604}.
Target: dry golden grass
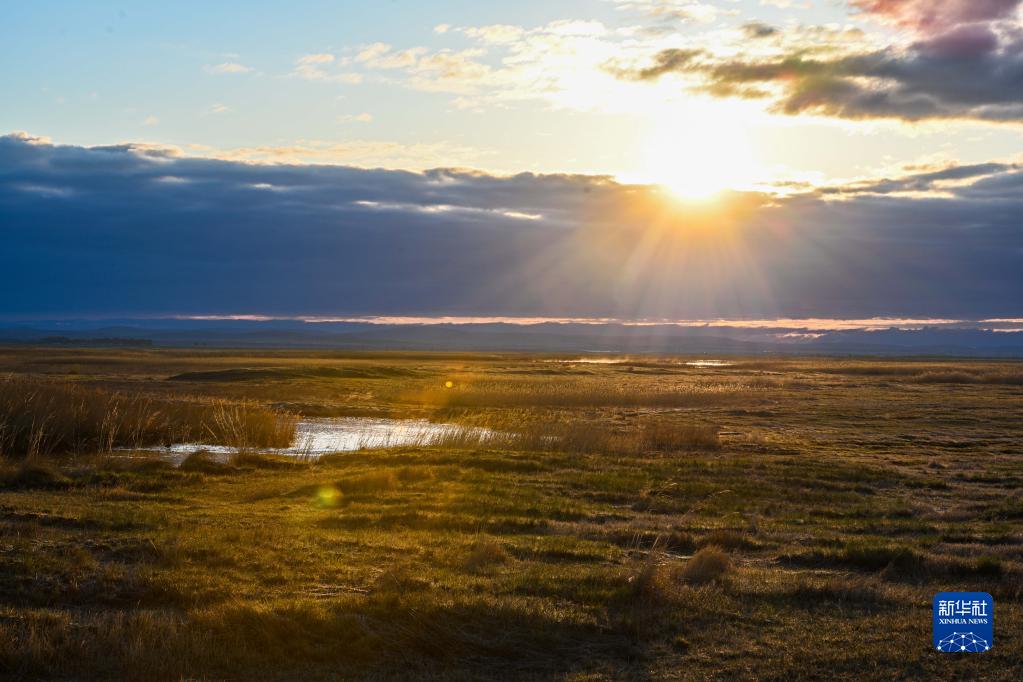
{"x": 31, "y": 472}
{"x": 556, "y": 435}
{"x": 39, "y": 417}
{"x": 538, "y": 391}
{"x": 672, "y": 435}
{"x": 660, "y": 577}
{"x": 484, "y": 552}
{"x": 710, "y": 563}
{"x": 375, "y": 482}
{"x": 797, "y": 525}
{"x": 960, "y": 377}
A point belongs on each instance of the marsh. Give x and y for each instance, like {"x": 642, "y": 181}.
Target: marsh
{"x": 653, "y": 518}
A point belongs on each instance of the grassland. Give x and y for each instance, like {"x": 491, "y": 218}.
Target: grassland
{"x": 772, "y": 519}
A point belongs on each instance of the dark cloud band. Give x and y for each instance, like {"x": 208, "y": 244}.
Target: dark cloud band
{"x": 130, "y": 230}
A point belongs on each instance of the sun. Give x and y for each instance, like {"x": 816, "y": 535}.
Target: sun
{"x": 699, "y": 151}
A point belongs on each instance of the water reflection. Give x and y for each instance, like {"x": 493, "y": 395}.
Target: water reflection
{"x": 317, "y": 437}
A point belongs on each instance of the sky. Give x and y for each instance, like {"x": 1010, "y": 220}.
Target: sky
{"x": 635, "y": 159}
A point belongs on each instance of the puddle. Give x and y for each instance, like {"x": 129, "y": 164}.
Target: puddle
{"x": 317, "y": 437}
{"x": 709, "y": 363}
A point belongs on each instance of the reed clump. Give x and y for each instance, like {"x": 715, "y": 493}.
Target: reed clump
{"x": 40, "y": 417}
{"x": 583, "y": 436}
{"x": 660, "y": 580}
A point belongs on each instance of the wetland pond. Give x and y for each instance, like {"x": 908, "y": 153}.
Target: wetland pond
{"x": 315, "y": 438}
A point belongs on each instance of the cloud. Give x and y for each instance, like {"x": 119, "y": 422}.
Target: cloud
{"x": 442, "y": 70}
{"x": 416, "y": 60}
{"x": 318, "y": 67}
{"x": 141, "y": 229}
{"x": 355, "y": 118}
{"x": 671, "y": 60}
{"x": 557, "y": 63}
{"x": 758, "y": 29}
{"x": 942, "y": 180}
{"x": 963, "y": 63}
{"x": 151, "y": 121}
{"x": 953, "y": 71}
{"x": 581, "y": 65}
{"x": 496, "y": 34}
{"x": 227, "y": 68}
{"x": 787, "y": 4}
{"x": 677, "y": 10}
{"x": 928, "y": 16}
{"x": 381, "y": 55}
{"x": 366, "y": 153}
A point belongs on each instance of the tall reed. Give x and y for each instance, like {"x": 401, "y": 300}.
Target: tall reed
{"x": 40, "y": 417}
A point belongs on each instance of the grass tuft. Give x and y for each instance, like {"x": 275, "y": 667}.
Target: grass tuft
{"x": 201, "y": 461}
{"x": 483, "y": 553}
{"x": 659, "y": 580}
{"x": 709, "y": 564}
{"x": 31, "y": 473}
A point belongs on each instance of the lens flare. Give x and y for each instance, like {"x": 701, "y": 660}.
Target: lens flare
{"x": 328, "y": 496}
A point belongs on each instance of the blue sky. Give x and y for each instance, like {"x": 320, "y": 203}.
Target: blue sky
{"x": 101, "y": 72}
{"x": 845, "y": 149}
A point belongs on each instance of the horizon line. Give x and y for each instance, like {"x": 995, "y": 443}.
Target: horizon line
{"x": 877, "y": 323}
